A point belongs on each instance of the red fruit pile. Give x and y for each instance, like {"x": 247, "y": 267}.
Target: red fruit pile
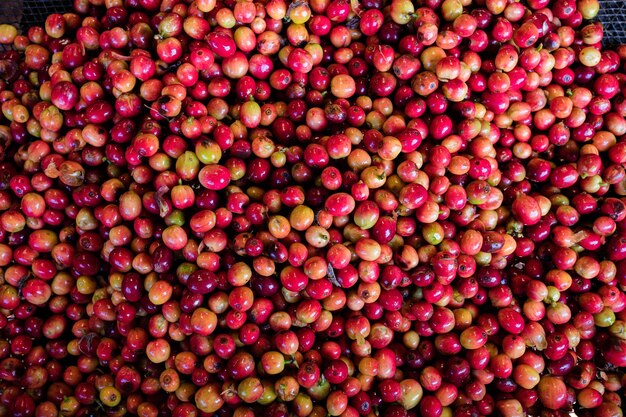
{"x": 313, "y": 208}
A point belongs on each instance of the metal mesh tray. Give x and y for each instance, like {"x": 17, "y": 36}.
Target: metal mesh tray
{"x": 27, "y": 13}
{"x": 613, "y": 17}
